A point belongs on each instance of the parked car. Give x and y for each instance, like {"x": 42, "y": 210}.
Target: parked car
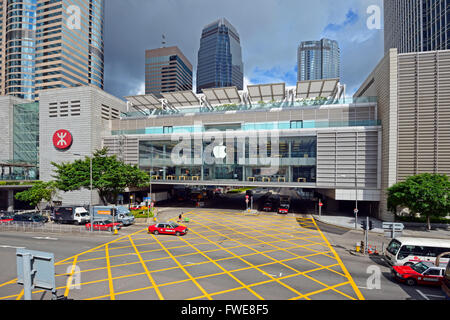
{"x": 168, "y": 228}
{"x": 425, "y": 273}
{"x": 104, "y": 225}
{"x": 29, "y": 218}
{"x": 6, "y": 219}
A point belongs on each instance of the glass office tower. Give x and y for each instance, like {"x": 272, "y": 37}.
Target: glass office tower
{"x": 318, "y": 60}
{"x": 17, "y": 45}
{"x": 415, "y": 26}
{"x": 220, "y": 57}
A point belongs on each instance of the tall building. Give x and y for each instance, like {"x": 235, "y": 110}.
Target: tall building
{"x": 220, "y": 57}
{"x": 17, "y": 46}
{"x": 167, "y": 70}
{"x": 50, "y": 44}
{"x": 415, "y": 26}
{"x": 318, "y": 60}
{"x": 69, "y": 43}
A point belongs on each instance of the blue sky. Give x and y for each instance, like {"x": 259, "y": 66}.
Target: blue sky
{"x": 270, "y": 32}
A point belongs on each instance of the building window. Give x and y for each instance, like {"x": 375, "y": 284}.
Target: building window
{"x": 167, "y": 130}
{"x": 297, "y": 124}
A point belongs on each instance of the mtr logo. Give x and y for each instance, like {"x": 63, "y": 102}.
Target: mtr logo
{"x": 62, "y": 139}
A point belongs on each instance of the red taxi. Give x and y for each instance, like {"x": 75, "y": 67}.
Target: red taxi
{"x": 104, "y": 225}
{"x": 283, "y": 209}
{"x": 168, "y": 228}
{"x": 425, "y": 273}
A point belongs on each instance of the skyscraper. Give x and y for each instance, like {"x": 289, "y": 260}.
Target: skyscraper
{"x": 17, "y": 46}
{"x": 220, "y": 57}
{"x": 50, "y": 44}
{"x": 415, "y": 26}
{"x": 318, "y": 60}
{"x": 167, "y": 70}
{"x": 69, "y": 43}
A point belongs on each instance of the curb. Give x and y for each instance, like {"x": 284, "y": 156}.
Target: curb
{"x": 378, "y": 231}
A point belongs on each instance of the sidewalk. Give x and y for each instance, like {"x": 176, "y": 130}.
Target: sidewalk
{"x": 349, "y": 223}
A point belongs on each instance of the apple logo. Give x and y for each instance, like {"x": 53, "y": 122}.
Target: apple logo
{"x": 220, "y": 152}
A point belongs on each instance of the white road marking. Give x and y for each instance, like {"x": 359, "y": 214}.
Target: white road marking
{"x": 11, "y": 247}
{"x": 424, "y": 296}
{"x": 45, "y": 238}
{"x": 433, "y": 296}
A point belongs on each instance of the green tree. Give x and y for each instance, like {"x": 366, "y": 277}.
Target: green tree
{"x": 40, "y": 192}
{"x": 425, "y": 194}
{"x": 109, "y": 175}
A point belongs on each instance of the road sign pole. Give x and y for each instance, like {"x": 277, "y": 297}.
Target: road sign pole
{"x": 320, "y": 208}
{"x": 26, "y": 260}
{"x": 356, "y": 218}
{"x": 366, "y": 247}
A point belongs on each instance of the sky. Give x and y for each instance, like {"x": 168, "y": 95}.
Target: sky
{"x": 270, "y": 32}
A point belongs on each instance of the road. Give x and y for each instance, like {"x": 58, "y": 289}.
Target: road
{"x": 364, "y": 269}
{"x": 227, "y": 255}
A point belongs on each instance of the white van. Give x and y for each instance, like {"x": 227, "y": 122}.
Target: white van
{"x": 405, "y": 251}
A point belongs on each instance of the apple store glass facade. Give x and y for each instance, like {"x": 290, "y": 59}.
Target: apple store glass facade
{"x": 290, "y": 159}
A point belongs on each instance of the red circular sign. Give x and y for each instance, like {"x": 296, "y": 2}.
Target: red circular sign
{"x": 62, "y": 139}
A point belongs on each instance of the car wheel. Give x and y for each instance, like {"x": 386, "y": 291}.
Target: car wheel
{"x": 178, "y": 234}
{"x": 155, "y": 232}
{"x": 411, "y": 282}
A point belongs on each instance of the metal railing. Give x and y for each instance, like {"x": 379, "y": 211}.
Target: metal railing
{"x": 29, "y": 227}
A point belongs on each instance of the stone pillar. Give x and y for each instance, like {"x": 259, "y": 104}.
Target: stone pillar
{"x": 10, "y": 200}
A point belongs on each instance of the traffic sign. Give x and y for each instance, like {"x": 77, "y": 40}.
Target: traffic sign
{"x": 320, "y": 204}
{"x": 356, "y": 211}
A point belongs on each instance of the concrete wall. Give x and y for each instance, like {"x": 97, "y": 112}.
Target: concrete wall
{"x": 413, "y": 92}
{"x": 86, "y": 112}
{"x": 382, "y": 82}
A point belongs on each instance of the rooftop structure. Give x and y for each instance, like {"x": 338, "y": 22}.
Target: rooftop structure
{"x": 329, "y": 91}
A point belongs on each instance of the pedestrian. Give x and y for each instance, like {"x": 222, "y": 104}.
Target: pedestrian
{"x": 180, "y": 217}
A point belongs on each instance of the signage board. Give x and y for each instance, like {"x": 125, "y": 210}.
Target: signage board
{"x": 62, "y": 139}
